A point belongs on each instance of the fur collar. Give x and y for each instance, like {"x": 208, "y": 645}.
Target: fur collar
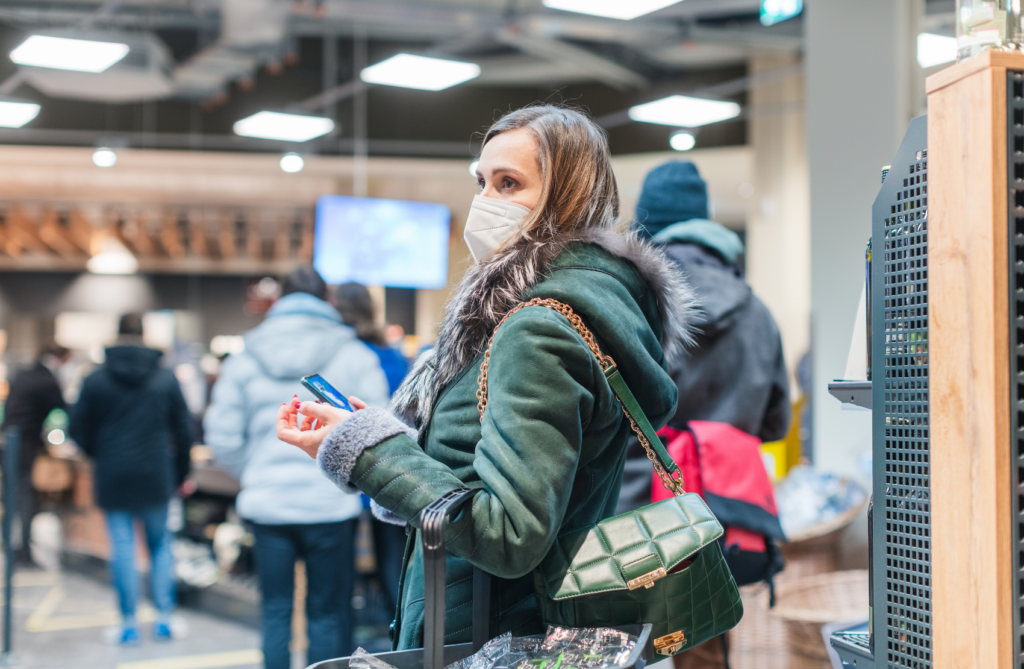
{"x": 492, "y": 288}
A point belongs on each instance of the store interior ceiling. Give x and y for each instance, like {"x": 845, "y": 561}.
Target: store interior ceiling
{"x": 197, "y": 66}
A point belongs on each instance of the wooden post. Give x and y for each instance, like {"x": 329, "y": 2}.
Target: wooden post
{"x": 972, "y": 567}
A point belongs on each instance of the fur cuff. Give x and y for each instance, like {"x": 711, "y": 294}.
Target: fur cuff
{"x": 385, "y": 516}
{"x": 347, "y": 441}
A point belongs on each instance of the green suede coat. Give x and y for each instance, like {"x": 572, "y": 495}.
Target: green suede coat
{"x": 549, "y": 453}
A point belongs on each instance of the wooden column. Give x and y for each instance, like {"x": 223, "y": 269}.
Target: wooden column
{"x": 972, "y": 568}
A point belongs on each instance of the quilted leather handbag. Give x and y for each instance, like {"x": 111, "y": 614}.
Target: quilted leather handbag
{"x": 661, "y": 564}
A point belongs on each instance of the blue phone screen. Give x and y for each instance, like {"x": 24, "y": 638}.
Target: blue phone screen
{"x": 330, "y": 392}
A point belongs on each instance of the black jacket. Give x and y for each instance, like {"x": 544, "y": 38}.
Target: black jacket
{"x": 34, "y": 393}
{"x": 736, "y": 372}
{"x": 131, "y": 418}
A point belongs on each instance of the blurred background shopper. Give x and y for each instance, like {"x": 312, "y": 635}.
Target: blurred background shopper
{"x": 34, "y": 393}
{"x": 734, "y": 372}
{"x": 296, "y": 512}
{"x": 131, "y": 419}
{"x": 355, "y": 304}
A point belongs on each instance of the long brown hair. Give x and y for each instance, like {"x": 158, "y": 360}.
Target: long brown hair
{"x": 357, "y": 310}
{"x": 580, "y": 190}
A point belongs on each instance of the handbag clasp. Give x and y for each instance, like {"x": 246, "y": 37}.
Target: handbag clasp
{"x": 670, "y": 644}
{"x": 647, "y": 580}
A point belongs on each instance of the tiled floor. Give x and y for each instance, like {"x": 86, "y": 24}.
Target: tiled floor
{"x": 63, "y": 620}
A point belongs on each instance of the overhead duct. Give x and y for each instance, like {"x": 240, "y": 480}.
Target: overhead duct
{"x": 143, "y": 74}
{"x": 253, "y": 32}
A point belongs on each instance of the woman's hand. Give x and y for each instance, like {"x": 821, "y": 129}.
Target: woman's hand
{"x": 317, "y": 420}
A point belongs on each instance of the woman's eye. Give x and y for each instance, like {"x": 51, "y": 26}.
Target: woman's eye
{"x": 481, "y": 183}
{"x": 508, "y": 184}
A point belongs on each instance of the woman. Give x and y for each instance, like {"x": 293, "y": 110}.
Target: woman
{"x": 548, "y": 454}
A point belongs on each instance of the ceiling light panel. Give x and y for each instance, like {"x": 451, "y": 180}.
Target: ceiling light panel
{"x": 612, "y": 9}
{"x": 17, "y": 114}
{"x": 284, "y": 127}
{"x": 684, "y": 112}
{"x": 62, "y": 53}
{"x": 419, "y": 72}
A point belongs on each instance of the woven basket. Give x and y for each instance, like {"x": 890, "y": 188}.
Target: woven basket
{"x": 808, "y": 603}
{"x": 817, "y": 549}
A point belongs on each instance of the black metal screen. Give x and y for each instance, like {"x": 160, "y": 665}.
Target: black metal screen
{"x": 902, "y": 611}
{"x": 1015, "y": 177}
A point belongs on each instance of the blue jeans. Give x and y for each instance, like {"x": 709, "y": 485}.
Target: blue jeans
{"x": 121, "y": 525}
{"x": 328, "y": 551}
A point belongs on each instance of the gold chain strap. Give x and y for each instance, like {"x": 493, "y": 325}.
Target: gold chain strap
{"x": 606, "y": 362}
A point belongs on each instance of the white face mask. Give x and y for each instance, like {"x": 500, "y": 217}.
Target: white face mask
{"x": 490, "y": 224}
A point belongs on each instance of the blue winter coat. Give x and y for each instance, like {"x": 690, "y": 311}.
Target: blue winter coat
{"x": 281, "y": 485}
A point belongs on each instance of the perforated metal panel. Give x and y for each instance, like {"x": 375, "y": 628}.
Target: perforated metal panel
{"x": 1015, "y": 179}
{"x": 902, "y": 527}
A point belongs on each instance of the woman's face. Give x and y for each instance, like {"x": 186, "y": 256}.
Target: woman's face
{"x": 509, "y": 169}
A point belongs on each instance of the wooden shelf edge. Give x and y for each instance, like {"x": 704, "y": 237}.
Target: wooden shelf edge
{"x": 983, "y": 61}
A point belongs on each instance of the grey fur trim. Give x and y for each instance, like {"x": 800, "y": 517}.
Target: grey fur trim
{"x": 347, "y": 441}
{"x": 385, "y": 516}
{"x": 490, "y": 289}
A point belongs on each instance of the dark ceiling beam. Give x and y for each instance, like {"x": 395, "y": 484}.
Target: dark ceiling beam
{"x": 188, "y": 141}
{"x": 169, "y": 15}
{"x": 574, "y": 57}
{"x": 708, "y": 8}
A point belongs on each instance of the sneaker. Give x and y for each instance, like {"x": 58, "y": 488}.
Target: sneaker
{"x": 162, "y": 632}
{"x": 130, "y": 636}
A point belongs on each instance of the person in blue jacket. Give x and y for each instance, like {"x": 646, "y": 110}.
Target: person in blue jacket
{"x": 355, "y": 304}
{"x": 295, "y": 511}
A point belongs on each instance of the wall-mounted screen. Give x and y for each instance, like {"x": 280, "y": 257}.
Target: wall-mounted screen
{"x": 381, "y": 242}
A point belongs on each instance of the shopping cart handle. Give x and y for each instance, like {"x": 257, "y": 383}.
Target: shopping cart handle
{"x": 432, "y": 522}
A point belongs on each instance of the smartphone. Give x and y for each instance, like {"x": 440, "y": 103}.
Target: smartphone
{"x": 325, "y": 392}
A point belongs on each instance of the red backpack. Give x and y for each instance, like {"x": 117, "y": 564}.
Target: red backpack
{"x": 723, "y": 465}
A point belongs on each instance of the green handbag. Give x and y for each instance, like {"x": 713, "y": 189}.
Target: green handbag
{"x": 661, "y": 564}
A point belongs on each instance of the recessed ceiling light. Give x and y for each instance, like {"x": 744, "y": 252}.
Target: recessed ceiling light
{"x": 612, "y": 9}
{"x": 62, "y": 53}
{"x": 935, "y": 50}
{"x": 16, "y": 114}
{"x": 426, "y": 74}
{"x": 684, "y": 112}
{"x": 104, "y": 157}
{"x": 292, "y": 162}
{"x": 285, "y": 127}
{"x": 473, "y": 167}
{"x": 683, "y": 141}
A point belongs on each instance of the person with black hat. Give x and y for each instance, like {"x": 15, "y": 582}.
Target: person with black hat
{"x": 132, "y": 420}
{"x": 735, "y": 372}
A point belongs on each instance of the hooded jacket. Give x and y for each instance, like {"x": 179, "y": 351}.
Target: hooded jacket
{"x": 132, "y": 420}
{"x": 281, "y": 485}
{"x": 547, "y": 456}
{"x": 735, "y": 373}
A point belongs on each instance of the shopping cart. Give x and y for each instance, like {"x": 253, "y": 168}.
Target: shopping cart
{"x": 434, "y": 654}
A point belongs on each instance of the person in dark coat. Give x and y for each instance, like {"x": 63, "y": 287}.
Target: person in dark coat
{"x": 132, "y": 420}
{"x": 33, "y": 394}
{"x": 735, "y": 372}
